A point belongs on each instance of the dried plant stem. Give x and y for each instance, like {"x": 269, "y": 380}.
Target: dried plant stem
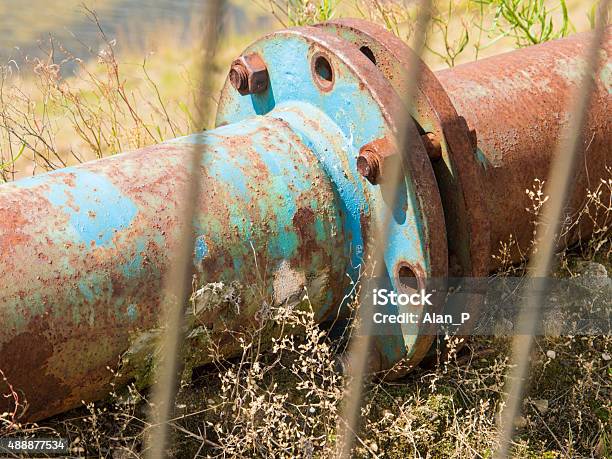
{"x": 177, "y": 286}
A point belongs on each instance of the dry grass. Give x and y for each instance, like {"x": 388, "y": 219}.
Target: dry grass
{"x": 112, "y": 103}
{"x": 285, "y": 403}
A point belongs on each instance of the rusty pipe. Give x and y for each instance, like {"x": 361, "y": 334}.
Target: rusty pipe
{"x": 284, "y": 213}
{"x": 286, "y": 209}
{"x": 518, "y": 104}
{"x": 84, "y": 250}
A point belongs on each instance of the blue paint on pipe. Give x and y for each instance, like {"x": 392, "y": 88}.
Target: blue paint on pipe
{"x": 355, "y": 119}
{"x": 201, "y": 249}
{"x": 267, "y": 168}
{"x": 347, "y": 105}
{"x": 351, "y": 198}
{"x": 95, "y": 207}
{"x": 231, "y": 176}
{"x": 134, "y": 265}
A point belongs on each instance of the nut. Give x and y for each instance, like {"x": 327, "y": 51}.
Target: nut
{"x": 368, "y": 165}
{"x": 374, "y": 158}
{"x": 249, "y": 74}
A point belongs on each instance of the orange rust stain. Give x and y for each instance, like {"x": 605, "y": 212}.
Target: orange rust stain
{"x": 11, "y": 224}
{"x": 68, "y": 179}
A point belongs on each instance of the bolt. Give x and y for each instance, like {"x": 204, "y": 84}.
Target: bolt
{"x": 239, "y": 77}
{"x": 432, "y": 146}
{"x": 249, "y": 74}
{"x": 368, "y": 165}
{"x": 373, "y": 159}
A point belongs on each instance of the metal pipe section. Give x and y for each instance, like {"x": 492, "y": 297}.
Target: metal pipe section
{"x": 84, "y": 250}
{"x": 284, "y": 213}
{"x": 294, "y": 184}
{"x": 518, "y": 104}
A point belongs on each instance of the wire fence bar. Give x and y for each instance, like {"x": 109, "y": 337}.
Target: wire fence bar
{"x": 177, "y": 284}
{"x": 359, "y": 347}
{"x": 541, "y": 263}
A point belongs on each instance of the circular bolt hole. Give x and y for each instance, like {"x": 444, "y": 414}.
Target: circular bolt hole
{"x": 367, "y": 52}
{"x": 323, "y": 72}
{"x": 408, "y": 279}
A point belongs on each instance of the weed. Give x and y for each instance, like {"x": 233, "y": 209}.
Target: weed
{"x": 529, "y": 22}
{"x": 460, "y": 25}
{"x": 56, "y": 121}
{"x": 300, "y": 12}
{"x": 441, "y": 25}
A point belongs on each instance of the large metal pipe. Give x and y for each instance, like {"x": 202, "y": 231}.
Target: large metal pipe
{"x": 84, "y": 250}
{"x": 283, "y": 213}
{"x": 284, "y": 210}
{"x": 518, "y": 104}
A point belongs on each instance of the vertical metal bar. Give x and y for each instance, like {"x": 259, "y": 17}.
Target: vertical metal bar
{"x": 360, "y": 345}
{"x": 541, "y": 263}
{"x": 177, "y": 285}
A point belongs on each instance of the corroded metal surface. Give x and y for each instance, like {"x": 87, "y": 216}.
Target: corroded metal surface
{"x": 458, "y": 174}
{"x": 457, "y": 171}
{"x": 249, "y": 74}
{"x": 84, "y": 250}
{"x": 284, "y": 211}
{"x": 366, "y": 107}
{"x": 376, "y": 159}
{"x": 518, "y": 104}
{"x": 286, "y": 208}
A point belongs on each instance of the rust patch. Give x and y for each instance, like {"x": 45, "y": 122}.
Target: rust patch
{"x": 12, "y": 222}
{"x": 303, "y": 222}
{"x": 24, "y": 352}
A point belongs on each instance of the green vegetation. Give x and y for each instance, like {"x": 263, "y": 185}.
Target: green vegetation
{"x": 529, "y": 23}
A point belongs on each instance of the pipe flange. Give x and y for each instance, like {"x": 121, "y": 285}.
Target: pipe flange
{"x": 458, "y": 171}
{"x": 351, "y": 92}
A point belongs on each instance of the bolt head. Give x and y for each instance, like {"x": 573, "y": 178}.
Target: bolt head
{"x": 368, "y": 166}
{"x": 376, "y": 157}
{"x": 249, "y": 74}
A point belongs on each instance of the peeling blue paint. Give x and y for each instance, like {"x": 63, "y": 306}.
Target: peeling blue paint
{"x": 96, "y": 208}
{"x": 334, "y": 125}
{"x": 201, "y": 249}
